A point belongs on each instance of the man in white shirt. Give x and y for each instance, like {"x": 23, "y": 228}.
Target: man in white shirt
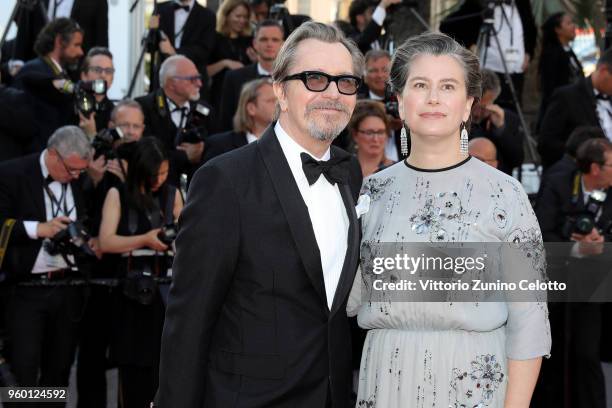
{"x": 268, "y": 249}
{"x": 367, "y": 19}
{"x": 40, "y": 195}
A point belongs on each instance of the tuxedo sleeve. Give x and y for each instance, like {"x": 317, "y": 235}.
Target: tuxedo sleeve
{"x": 229, "y": 101}
{"x": 530, "y": 31}
{"x": 370, "y": 34}
{"x": 207, "y": 251}
{"x": 548, "y": 211}
{"x": 101, "y": 27}
{"x": 509, "y": 141}
{"x": 8, "y": 200}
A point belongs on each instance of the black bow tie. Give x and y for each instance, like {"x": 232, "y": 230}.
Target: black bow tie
{"x": 180, "y": 6}
{"x": 49, "y": 180}
{"x": 602, "y": 97}
{"x": 335, "y": 169}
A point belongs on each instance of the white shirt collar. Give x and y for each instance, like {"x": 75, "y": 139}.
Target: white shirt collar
{"x": 261, "y": 70}
{"x": 43, "y": 165}
{"x": 250, "y": 137}
{"x": 375, "y": 97}
{"x": 172, "y": 105}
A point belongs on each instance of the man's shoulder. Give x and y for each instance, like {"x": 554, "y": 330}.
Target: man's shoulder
{"x": 250, "y": 71}
{"x": 15, "y": 168}
{"x": 202, "y": 11}
{"x": 147, "y": 102}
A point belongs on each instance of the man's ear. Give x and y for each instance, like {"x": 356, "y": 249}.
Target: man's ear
{"x": 281, "y": 98}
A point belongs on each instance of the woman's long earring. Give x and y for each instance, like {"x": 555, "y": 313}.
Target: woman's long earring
{"x": 404, "y": 141}
{"x": 463, "y": 146}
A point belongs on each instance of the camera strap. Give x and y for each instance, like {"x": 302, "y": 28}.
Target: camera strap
{"x": 5, "y": 234}
{"x": 56, "y": 205}
{"x": 576, "y": 189}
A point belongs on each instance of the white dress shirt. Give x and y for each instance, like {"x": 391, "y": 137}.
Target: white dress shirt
{"x": 178, "y": 118}
{"x": 326, "y": 210}
{"x": 261, "y": 71}
{"x": 180, "y": 18}
{"x": 250, "y": 138}
{"x": 509, "y": 28}
{"x": 59, "y": 8}
{"x": 378, "y": 16}
{"x": 45, "y": 262}
{"x": 604, "y": 115}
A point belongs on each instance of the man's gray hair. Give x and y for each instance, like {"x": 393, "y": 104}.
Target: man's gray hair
{"x": 69, "y": 140}
{"x": 490, "y": 82}
{"x": 126, "y": 103}
{"x": 168, "y": 68}
{"x": 435, "y": 44}
{"x": 312, "y": 30}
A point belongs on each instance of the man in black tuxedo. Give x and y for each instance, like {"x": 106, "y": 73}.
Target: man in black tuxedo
{"x": 40, "y": 194}
{"x": 585, "y": 102}
{"x": 255, "y": 113}
{"x": 367, "y": 19}
{"x": 257, "y": 309}
{"x": 45, "y": 79}
{"x": 175, "y": 108}
{"x": 267, "y": 41}
{"x": 187, "y": 29}
{"x": 564, "y": 194}
{"x": 91, "y": 15}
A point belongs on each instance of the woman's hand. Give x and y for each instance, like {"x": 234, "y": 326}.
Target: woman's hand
{"x": 153, "y": 242}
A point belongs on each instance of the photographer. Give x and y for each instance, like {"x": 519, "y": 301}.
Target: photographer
{"x": 45, "y": 79}
{"x": 176, "y": 116}
{"x": 98, "y": 65}
{"x": 575, "y": 204}
{"x": 367, "y": 19}
{"x": 132, "y": 221}
{"x": 41, "y": 197}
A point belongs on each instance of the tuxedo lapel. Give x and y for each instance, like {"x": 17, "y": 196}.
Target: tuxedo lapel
{"x": 352, "y": 250}
{"x": 589, "y": 106}
{"x": 189, "y": 23}
{"x": 294, "y": 208}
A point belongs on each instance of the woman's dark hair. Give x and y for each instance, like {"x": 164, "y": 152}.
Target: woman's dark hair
{"x": 549, "y": 35}
{"x": 364, "y": 109}
{"x": 143, "y": 168}
{"x": 64, "y": 27}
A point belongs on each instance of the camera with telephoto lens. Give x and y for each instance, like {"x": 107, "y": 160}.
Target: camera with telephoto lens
{"x": 104, "y": 143}
{"x": 168, "y": 233}
{"x": 584, "y": 222}
{"x": 73, "y": 240}
{"x": 85, "y": 95}
{"x": 194, "y": 130}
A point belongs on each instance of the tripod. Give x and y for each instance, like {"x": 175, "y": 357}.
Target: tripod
{"x": 150, "y": 44}
{"x": 488, "y": 32}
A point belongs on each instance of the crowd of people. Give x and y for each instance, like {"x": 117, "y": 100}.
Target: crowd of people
{"x": 92, "y": 192}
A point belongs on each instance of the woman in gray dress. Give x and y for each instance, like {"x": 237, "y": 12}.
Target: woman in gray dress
{"x": 445, "y": 354}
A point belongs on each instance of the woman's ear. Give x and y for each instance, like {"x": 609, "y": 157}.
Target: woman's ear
{"x": 468, "y": 108}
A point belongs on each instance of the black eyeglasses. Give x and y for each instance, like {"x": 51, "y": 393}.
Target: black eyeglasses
{"x": 316, "y": 81}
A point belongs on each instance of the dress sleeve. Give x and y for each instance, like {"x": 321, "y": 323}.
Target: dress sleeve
{"x": 527, "y": 328}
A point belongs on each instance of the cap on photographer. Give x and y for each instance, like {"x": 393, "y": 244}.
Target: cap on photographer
{"x": 40, "y": 195}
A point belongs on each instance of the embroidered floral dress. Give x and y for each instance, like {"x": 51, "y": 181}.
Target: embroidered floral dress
{"x": 445, "y": 354}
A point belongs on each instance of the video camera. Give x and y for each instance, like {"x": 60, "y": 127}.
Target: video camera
{"x": 584, "y": 222}
{"x": 73, "y": 240}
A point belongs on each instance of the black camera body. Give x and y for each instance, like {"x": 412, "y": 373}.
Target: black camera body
{"x": 584, "y": 222}
{"x": 194, "y": 130}
{"x": 104, "y": 143}
{"x": 84, "y": 95}
{"x": 168, "y": 233}
{"x": 73, "y": 240}
{"x": 391, "y": 103}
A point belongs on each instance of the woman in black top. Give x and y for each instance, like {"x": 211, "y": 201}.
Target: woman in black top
{"x": 232, "y": 45}
{"x": 132, "y": 217}
{"x": 559, "y": 65}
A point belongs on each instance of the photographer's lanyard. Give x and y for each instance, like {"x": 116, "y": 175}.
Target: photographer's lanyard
{"x": 508, "y": 22}
{"x": 576, "y": 189}
{"x": 56, "y": 205}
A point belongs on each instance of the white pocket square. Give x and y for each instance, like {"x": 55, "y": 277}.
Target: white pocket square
{"x": 363, "y": 205}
